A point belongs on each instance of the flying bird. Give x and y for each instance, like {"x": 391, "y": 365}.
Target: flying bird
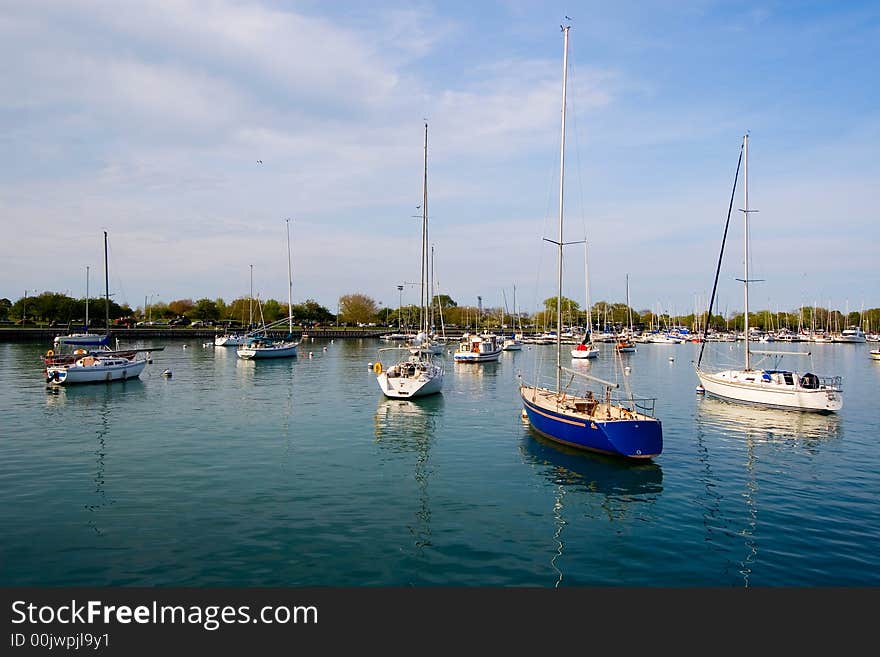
{"x": 259, "y": 161}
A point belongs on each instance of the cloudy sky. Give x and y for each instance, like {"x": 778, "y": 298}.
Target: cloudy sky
{"x": 190, "y": 129}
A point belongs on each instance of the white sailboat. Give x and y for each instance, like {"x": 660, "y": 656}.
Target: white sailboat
{"x": 415, "y": 374}
{"x": 239, "y": 339}
{"x": 262, "y": 346}
{"x": 101, "y": 366}
{"x": 625, "y": 343}
{"x": 586, "y": 348}
{"x": 514, "y": 342}
{"x": 775, "y": 388}
{"x": 426, "y": 340}
{"x": 84, "y": 339}
{"x": 568, "y": 414}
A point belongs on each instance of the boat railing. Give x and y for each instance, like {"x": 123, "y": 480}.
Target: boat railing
{"x": 572, "y": 391}
{"x": 642, "y": 405}
{"x": 831, "y": 383}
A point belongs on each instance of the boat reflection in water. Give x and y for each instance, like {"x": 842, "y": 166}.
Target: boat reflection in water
{"x": 406, "y": 427}
{"x": 99, "y": 406}
{"x": 619, "y": 486}
{"x": 760, "y": 424}
{"x": 754, "y": 430}
{"x": 92, "y": 397}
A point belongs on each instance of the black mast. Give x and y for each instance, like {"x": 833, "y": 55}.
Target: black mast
{"x": 720, "y": 257}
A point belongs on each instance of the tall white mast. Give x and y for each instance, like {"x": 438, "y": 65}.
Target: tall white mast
{"x": 587, "y": 289}
{"x": 565, "y": 29}
{"x": 424, "y": 310}
{"x": 289, "y": 282}
{"x": 746, "y": 249}
{"x": 87, "y": 298}
{"x": 628, "y": 309}
{"x": 106, "y": 291}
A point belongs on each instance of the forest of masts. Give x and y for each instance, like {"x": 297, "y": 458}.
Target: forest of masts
{"x": 359, "y": 309}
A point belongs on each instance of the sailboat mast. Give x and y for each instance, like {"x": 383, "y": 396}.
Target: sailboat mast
{"x": 628, "y": 309}
{"x": 587, "y": 289}
{"x": 106, "y": 290}
{"x": 565, "y": 29}
{"x": 515, "y": 314}
{"x": 289, "y": 282}
{"x": 87, "y": 298}
{"x": 423, "y": 310}
{"x": 746, "y": 249}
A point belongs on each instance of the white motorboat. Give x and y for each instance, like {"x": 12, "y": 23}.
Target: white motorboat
{"x": 478, "y": 348}
{"x": 852, "y": 335}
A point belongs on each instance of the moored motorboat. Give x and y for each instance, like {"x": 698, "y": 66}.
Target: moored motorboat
{"x": 478, "y": 348}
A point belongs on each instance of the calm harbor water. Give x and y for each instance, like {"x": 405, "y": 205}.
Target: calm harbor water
{"x": 300, "y": 473}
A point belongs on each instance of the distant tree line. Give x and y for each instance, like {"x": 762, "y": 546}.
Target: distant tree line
{"x": 360, "y": 309}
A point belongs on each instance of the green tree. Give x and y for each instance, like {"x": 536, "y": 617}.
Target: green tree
{"x": 311, "y": 311}
{"x": 205, "y": 310}
{"x": 243, "y": 309}
{"x": 271, "y": 311}
{"x": 387, "y": 316}
{"x": 568, "y": 305}
{"x": 357, "y": 308}
{"x": 444, "y": 300}
{"x": 5, "y": 308}
{"x": 222, "y": 310}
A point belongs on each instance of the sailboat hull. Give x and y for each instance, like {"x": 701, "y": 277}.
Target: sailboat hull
{"x": 83, "y": 339}
{"x": 587, "y": 352}
{"x": 749, "y": 387}
{"x": 258, "y": 353}
{"x": 230, "y": 341}
{"x": 402, "y": 387}
{"x": 637, "y": 437}
{"x": 97, "y": 373}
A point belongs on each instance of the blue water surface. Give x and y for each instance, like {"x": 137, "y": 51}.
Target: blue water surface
{"x": 298, "y": 472}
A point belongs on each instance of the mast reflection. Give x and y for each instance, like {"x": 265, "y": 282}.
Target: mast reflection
{"x": 617, "y": 485}
{"x": 408, "y": 427}
{"x": 756, "y": 429}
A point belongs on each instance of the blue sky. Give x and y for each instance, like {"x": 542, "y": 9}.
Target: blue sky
{"x": 148, "y": 120}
